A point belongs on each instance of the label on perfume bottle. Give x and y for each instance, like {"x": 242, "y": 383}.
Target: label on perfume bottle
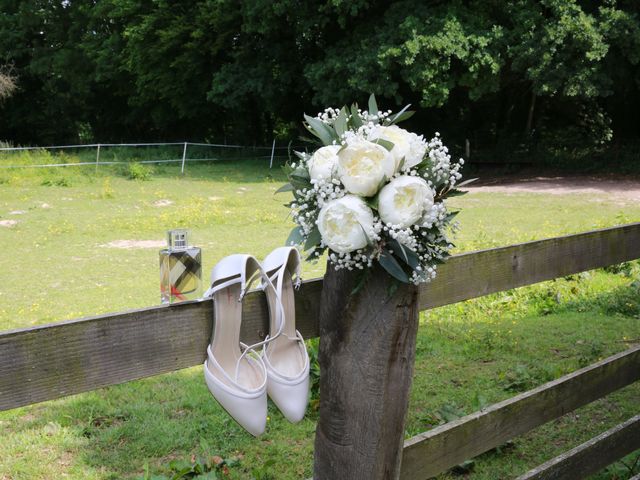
{"x": 180, "y": 274}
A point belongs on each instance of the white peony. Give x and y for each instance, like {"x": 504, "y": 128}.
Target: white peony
{"x": 406, "y": 144}
{"x": 345, "y": 224}
{"x": 362, "y": 165}
{"x": 404, "y": 200}
{"x": 323, "y": 162}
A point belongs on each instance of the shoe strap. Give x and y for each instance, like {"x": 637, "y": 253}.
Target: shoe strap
{"x": 298, "y": 338}
{"x": 255, "y": 363}
{"x": 279, "y": 319}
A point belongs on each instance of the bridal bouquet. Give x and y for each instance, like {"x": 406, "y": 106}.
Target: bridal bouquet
{"x": 373, "y": 192}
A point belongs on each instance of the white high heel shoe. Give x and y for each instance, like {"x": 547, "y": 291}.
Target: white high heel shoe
{"x": 285, "y": 355}
{"x": 234, "y": 372}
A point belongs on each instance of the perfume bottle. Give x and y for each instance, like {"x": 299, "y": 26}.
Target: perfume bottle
{"x": 180, "y": 269}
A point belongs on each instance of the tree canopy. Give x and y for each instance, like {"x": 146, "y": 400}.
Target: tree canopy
{"x": 245, "y": 71}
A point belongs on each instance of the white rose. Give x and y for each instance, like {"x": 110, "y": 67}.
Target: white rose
{"x": 323, "y": 162}
{"x": 345, "y": 224}
{"x": 404, "y": 200}
{"x": 362, "y": 165}
{"x": 406, "y": 145}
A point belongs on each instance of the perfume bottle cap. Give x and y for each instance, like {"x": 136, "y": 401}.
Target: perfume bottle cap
{"x": 178, "y": 238}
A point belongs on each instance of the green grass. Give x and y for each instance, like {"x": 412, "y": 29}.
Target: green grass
{"x": 57, "y": 265}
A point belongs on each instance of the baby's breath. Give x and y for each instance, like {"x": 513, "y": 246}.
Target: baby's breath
{"x": 426, "y": 242}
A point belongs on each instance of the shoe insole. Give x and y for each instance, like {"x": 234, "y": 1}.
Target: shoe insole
{"x": 285, "y": 354}
{"x": 225, "y": 344}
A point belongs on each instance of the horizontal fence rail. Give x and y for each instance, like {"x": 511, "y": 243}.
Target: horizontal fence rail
{"x": 51, "y": 361}
{"x": 156, "y": 144}
{"x": 430, "y": 453}
{"x": 266, "y": 152}
{"x": 592, "y": 456}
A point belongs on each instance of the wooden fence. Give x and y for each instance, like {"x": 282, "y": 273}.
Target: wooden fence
{"x": 52, "y": 361}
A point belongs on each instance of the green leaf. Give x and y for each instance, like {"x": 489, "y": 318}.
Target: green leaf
{"x": 315, "y": 254}
{"x": 210, "y": 475}
{"x": 401, "y": 117}
{"x": 356, "y": 121}
{"x": 373, "y": 106}
{"x": 180, "y": 465}
{"x": 340, "y": 123}
{"x": 391, "y": 265}
{"x": 385, "y": 143}
{"x": 287, "y": 187}
{"x": 401, "y": 114}
{"x": 180, "y": 474}
{"x": 451, "y": 216}
{"x": 313, "y": 239}
{"x": 299, "y": 181}
{"x": 372, "y": 202}
{"x": 320, "y": 129}
{"x": 405, "y": 253}
{"x": 295, "y": 237}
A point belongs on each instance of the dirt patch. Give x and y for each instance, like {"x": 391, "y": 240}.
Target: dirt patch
{"x": 162, "y": 203}
{"x": 135, "y": 244}
{"x": 8, "y": 223}
{"x": 17, "y": 212}
{"x": 622, "y": 189}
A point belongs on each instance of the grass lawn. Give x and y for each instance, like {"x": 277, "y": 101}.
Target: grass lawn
{"x": 59, "y": 231}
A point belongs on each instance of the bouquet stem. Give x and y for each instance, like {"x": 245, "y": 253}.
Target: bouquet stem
{"x": 367, "y": 351}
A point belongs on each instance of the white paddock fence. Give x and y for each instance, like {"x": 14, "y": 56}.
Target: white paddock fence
{"x": 212, "y": 152}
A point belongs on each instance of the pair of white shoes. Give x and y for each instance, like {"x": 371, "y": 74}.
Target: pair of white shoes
{"x": 240, "y": 377}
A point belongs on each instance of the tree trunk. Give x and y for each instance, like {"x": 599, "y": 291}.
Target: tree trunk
{"x": 532, "y": 106}
{"x": 367, "y": 350}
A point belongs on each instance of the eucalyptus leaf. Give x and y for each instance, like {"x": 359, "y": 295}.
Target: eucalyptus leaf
{"x": 451, "y": 215}
{"x": 295, "y": 237}
{"x": 391, "y": 265}
{"x": 402, "y": 116}
{"x": 340, "y": 123}
{"x": 373, "y": 106}
{"x": 356, "y": 121}
{"x": 301, "y": 172}
{"x": 299, "y": 182}
{"x": 393, "y": 119}
{"x": 287, "y": 187}
{"x": 320, "y": 129}
{"x": 385, "y": 143}
{"x": 313, "y": 239}
{"x": 406, "y": 254}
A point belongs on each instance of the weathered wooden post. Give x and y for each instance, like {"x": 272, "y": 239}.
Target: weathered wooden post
{"x": 367, "y": 350}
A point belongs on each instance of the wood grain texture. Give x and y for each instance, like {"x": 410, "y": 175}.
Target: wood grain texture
{"x": 366, "y": 355}
{"x": 52, "y": 361}
{"x": 480, "y": 273}
{"x": 592, "y": 456}
{"x": 437, "y": 450}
